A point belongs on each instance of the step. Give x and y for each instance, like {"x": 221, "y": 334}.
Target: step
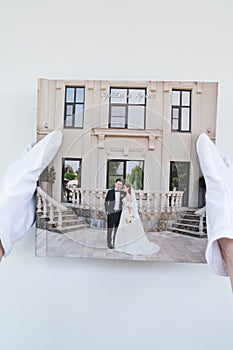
{"x": 68, "y": 229}
{"x": 190, "y": 222}
{"x": 72, "y": 222}
{"x": 185, "y": 226}
{"x": 191, "y": 215}
{"x": 194, "y": 218}
{"x": 66, "y": 217}
{"x": 187, "y": 232}
{"x": 64, "y": 212}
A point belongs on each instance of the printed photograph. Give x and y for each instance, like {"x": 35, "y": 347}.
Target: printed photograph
{"x": 126, "y": 182}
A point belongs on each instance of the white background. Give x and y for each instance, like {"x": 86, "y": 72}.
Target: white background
{"x": 58, "y": 303}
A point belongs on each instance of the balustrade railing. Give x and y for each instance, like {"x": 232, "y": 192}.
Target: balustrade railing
{"x": 47, "y": 206}
{"x": 148, "y": 201}
{"x": 201, "y": 213}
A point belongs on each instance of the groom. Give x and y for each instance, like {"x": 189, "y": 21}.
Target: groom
{"x": 113, "y": 208}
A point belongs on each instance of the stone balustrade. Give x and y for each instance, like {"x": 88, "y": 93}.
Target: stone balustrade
{"x": 148, "y": 202}
{"x": 47, "y": 207}
{"x": 201, "y": 213}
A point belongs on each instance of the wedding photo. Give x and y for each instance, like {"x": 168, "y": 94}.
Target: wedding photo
{"x": 126, "y": 182}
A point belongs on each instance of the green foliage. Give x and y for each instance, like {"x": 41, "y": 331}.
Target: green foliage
{"x": 48, "y": 175}
{"x": 135, "y": 178}
{"x": 179, "y": 178}
{"x": 179, "y": 175}
{"x": 114, "y": 170}
{"x": 70, "y": 176}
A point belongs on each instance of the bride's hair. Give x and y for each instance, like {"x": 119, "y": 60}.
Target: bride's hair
{"x": 129, "y": 187}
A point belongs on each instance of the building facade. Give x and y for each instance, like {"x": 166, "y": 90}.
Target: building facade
{"x": 142, "y": 131}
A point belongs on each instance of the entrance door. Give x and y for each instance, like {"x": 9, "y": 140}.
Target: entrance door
{"x": 71, "y": 174}
{"x": 179, "y": 179}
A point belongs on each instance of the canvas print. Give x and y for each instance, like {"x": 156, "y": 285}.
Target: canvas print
{"x": 126, "y": 182}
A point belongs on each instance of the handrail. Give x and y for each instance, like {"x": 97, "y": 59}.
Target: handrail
{"x": 201, "y": 213}
{"x": 148, "y": 201}
{"x": 43, "y": 201}
{"x": 50, "y": 199}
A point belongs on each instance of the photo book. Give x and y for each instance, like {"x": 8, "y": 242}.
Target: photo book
{"x": 126, "y": 181}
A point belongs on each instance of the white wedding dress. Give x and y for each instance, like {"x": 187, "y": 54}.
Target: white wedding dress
{"x": 130, "y": 237}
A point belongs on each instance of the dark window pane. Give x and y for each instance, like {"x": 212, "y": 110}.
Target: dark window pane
{"x": 130, "y": 108}
{"x": 134, "y": 174}
{"x": 74, "y": 107}
{"x": 79, "y": 94}
{"x": 179, "y": 178}
{"x": 181, "y": 110}
{"x": 112, "y": 180}
{"x": 69, "y": 94}
{"x": 133, "y": 170}
{"x": 115, "y": 168}
{"x": 136, "y": 117}
{"x": 71, "y": 177}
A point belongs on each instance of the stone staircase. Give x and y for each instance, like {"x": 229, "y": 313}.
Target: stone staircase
{"x": 188, "y": 224}
{"x": 70, "y": 222}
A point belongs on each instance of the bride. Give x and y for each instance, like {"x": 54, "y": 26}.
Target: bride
{"x": 130, "y": 236}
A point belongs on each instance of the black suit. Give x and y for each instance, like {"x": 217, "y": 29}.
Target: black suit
{"x": 114, "y": 216}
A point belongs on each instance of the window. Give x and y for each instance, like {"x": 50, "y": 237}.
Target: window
{"x": 181, "y": 110}
{"x": 74, "y": 107}
{"x": 71, "y": 173}
{"x": 127, "y": 108}
{"x": 129, "y": 170}
{"x": 179, "y": 179}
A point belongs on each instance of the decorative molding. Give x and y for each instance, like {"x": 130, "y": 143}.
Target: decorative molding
{"x": 166, "y": 87}
{"x": 101, "y": 140}
{"x": 59, "y": 85}
{"x": 103, "y": 85}
{"x": 151, "y": 145}
{"x": 151, "y": 135}
{"x": 44, "y": 132}
{"x": 153, "y": 86}
{"x": 124, "y": 151}
{"x": 108, "y": 151}
{"x": 199, "y": 87}
{"x": 90, "y": 85}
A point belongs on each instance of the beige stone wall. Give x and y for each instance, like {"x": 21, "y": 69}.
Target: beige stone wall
{"x": 156, "y": 145}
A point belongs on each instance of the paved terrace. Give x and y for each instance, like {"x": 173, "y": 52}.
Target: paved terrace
{"x": 91, "y": 243}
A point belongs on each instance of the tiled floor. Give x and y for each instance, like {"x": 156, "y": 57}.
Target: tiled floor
{"x": 92, "y": 243}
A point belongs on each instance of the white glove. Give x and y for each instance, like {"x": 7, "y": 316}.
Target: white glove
{"x": 218, "y": 173}
{"x": 17, "y": 189}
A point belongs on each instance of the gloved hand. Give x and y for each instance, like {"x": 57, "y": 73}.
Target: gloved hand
{"x": 17, "y": 189}
{"x": 218, "y": 173}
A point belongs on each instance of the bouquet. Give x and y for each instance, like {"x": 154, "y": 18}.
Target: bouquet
{"x": 129, "y": 218}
